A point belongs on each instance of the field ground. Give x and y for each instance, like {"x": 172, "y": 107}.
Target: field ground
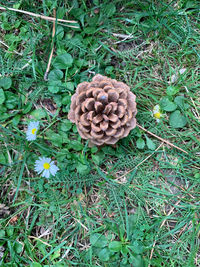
{"x": 133, "y": 204}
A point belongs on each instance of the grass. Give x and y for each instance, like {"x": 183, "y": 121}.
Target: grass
{"x": 135, "y": 204}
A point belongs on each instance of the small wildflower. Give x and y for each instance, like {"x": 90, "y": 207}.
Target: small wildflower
{"x": 157, "y": 113}
{"x": 46, "y": 167}
{"x": 32, "y": 130}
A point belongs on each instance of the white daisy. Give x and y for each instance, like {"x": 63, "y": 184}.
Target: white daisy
{"x": 157, "y": 113}
{"x": 32, "y": 130}
{"x": 46, "y": 167}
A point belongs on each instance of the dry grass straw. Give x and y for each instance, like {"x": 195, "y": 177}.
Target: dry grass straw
{"x": 52, "y": 44}
{"x": 161, "y": 139}
{"x": 41, "y": 16}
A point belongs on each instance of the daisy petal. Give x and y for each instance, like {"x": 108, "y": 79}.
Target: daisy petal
{"x": 53, "y": 169}
{"x": 45, "y": 166}
{"x": 46, "y": 173}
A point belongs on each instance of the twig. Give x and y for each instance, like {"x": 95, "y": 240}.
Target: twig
{"x": 193, "y": 103}
{"x": 47, "y": 232}
{"x": 27, "y": 64}
{"x": 85, "y": 227}
{"x": 172, "y": 209}
{"x": 1, "y": 42}
{"x": 67, "y": 251}
{"x": 123, "y": 36}
{"x": 161, "y": 139}
{"x": 52, "y": 43}
{"x": 9, "y": 157}
{"x": 141, "y": 162}
{"x": 37, "y": 238}
{"x": 40, "y": 16}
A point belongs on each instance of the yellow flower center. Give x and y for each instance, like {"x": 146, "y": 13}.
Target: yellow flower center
{"x": 157, "y": 115}
{"x": 33, "y": 130}
{"x": 46, "y": 166}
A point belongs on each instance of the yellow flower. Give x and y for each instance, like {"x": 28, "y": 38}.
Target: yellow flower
{"x": 157, "y": 113}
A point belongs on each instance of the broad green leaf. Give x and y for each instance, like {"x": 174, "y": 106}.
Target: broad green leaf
{"x": 93, "y": 21}
{"x": 115, "y": 246}
{"x": 10, "y": 230}
{"x": 109, "y": 69}
{"x": 74, "y": 129}
{"x": 81, "y": 62}
{"x": 82, "y": 168}
{"x": 177, "y": 120}
{"x": 5, "y": 82}
{"x": 172, "y": 90}
{"x": 16, "y": 6}
{"x": 66, "y": 125}
{"x": 98, "y": 240}
{"x": 94, "y": 149}
{"x": 12, "y": 100}
{"x": 180, "y": 101}
{"x": 2, "y": 233}
{"x": 136, "y": 247}
{"x": 90, "y": 30}
{"x": 6, "y": 26}
{"x": 64, "y": 137}
{"x": 55, "y": 138}
{"x": 70, "y": 86}
{"x": 63, "y": 61}
{"x": 57, "y": 99}
{"x": 60, "y": 12}
{"x": 66, "y": 99}
{"x": 104, "y": 254}
{"x": 2, "y": 96}
{"x": 96, "y": 159}
{"x": 76, "y": 145}
{"x": 38, "y": 113}
{"x": 150, "y": 143}
{"x": 16, "y": 120}
{"x": 124, "y": 250}
{"x": 140, "y": 143}
{"x": 54, "y": 86}
{"x": 55, "y": 75}
{"x": 59, "y": 32}
{"x": 27, "y": 108}
{"x": 2, "y": 109}
{"x": 2, "y": 161}
{"x": 18, "y": 247}
{"x": 109, "y": 10}
{"x": 124, "y": 260}
{"x": 137, "y": 261}
{"x": 167, "y": 105}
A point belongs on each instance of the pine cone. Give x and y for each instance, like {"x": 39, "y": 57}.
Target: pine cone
{"x": 104, "y": 110}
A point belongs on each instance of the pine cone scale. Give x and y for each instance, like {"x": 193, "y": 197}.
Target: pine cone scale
{"x": 104, "y": 125}
{"x": 104, "y": 110}
{"x": 113, "y": 95}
